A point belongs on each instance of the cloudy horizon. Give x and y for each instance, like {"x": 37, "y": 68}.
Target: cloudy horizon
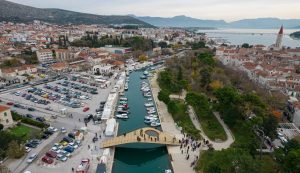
{"x": 228, "y": 10}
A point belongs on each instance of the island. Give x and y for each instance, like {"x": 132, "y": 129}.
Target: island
{"x": 295, "y": 35}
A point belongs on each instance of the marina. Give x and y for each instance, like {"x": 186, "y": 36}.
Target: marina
{"x": 145, "y": 157}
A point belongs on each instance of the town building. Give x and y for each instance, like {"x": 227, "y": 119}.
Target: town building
{"x": 5, "y": 116}
{"x": 45, "y": 56}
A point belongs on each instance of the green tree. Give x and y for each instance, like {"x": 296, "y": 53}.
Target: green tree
{"x": 163, "y": 44}
{"x": 1, "y": 127}
{"x": 163, "y": 95}
{"x": 205, "y": 77}
{"x": 270, "y": 125}
{"x": 288, "y": 157}
{"x": 245, "y": 45}
{"x": 15, "y": 150}
{"x": 231, "y": 160}
{"x": 198, "y": 45}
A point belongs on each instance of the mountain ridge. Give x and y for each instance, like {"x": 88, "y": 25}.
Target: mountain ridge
{"x": 185, "y": 21}
{"x": 10, "y": 11}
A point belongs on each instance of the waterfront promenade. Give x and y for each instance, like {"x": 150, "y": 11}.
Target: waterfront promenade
{"x": 178, "y": 159}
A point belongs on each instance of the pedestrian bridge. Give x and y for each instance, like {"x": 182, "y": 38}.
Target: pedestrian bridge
{"x": 143, "y": 135}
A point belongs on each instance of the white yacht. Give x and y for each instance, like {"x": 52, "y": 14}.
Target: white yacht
{"x": 122, "y": 116}
{"x": 149, "y": 104}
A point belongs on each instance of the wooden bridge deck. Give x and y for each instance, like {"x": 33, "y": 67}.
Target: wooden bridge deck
{"x": 142, "y": 136}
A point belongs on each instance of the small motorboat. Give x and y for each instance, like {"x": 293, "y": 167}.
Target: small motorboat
{"x": 121, "y": 111}
{"x": 147, "y": 94}
{"x": 123, "y": 99}
{"x": 146, "y": 73}
{"x": 151, "y": 112}
{"x": 143, "y": 77}
{"x": 155, "y": 124}
{"x": 126, "y": 88}
{"x": 149, "y": 99}
{"x": 168, "y": 171}
{"x": 122, "y": 116}
{"x": 149, "y": 104}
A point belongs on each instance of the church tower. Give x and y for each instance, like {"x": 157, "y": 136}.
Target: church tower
{"x": 279, "y": 38}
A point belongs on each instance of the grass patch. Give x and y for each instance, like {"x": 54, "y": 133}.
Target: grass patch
{"x": 211, "y": 126}
{"x": 268, "y": 165}
{"x": 178, "y": 110}
{"x": 24, "y": 132}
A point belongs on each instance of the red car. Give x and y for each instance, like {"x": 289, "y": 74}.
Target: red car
{"x": 86, "y": 109}
{"x": 47, "y": 159}
{"x": 51, "y": 154}
{"x": 10, "y": 103}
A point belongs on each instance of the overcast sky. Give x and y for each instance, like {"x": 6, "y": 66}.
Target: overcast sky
{"x": 229, "y": 10}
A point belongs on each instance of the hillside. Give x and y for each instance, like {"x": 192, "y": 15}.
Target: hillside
{"x": 295, "y": 35}
{"x": 185, "y": 21}
{"x": 182, "y": 21}
{"x": 10, "y": 11}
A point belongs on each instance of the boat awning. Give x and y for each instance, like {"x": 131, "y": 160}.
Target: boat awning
{"x": 110, "y": 127}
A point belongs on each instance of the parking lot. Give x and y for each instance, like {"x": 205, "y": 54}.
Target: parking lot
{"x": 61, "y": 104}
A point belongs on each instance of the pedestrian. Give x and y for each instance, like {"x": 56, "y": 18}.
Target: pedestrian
{"x": 100, "y": 136}
{"x": 96, "y": 134}
{"x": 181, "y": 151}
{"x": 72, "y": 169}
{"x": 79, "y": 119}
{"x": 89, "y": 146}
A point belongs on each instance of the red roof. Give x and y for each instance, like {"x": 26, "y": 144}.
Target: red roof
{"x": 3, "y": 108}
{"x": 281, "y": 30}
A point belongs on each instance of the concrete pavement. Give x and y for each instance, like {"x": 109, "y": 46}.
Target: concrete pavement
{"x": 178, "y": 159}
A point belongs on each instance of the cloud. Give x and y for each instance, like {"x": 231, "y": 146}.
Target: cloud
{"x": 204, "y": 9}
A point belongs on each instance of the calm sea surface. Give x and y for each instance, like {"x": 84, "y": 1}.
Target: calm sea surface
{"x": 266, "y": 37}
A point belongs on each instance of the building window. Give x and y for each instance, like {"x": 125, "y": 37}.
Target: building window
{"x": 5, "y": 114}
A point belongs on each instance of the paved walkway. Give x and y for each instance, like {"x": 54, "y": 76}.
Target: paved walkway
{"x": 217, "y": 145}
{"x": 178, "y": 159}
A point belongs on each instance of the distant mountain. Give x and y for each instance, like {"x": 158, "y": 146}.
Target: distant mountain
{"x": 10, "y": 11}
{"x": 265, "y": 23}
{"x": 184, "y": 21}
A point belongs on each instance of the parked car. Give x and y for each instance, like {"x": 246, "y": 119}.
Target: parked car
{"x": 27, "y": 149}
{"x": 31, "y": 145}
{"x": 51, "y": 154}
{"x": 61, "y": 157}
{"x": 45, "y": 136}
{"x": 69, "y": 149}
{"x": 47, "y": 159}
{"x": 68, "y": 139}
{"x": 63, "y": 130}
{"x": 86, "y": 109}
{"x": 40, "y": 119}
{"x": 31, "y": 158}
{"x": 48, "y": 132}
{"x": 31, "y": 109}
{"x": 29, "y": 116}
{"x": 53, "y": 129}
{"x": 10, "y": 103}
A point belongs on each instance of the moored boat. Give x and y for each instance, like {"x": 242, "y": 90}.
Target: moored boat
{"x": 122, "y": 116}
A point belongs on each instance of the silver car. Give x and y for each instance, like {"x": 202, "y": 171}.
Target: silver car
{"x": 31, "y": 158}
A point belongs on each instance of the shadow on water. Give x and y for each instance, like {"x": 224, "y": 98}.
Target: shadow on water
{"x": 129, "y": 155}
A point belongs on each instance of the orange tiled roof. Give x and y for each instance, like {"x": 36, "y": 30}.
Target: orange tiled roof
{"x": 3, "y": 108}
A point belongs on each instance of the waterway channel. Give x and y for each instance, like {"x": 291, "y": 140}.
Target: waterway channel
{"x": 138, "y": 157}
